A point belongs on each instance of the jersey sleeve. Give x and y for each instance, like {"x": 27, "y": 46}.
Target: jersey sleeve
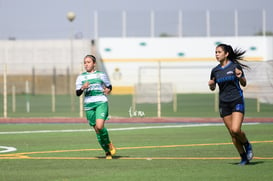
{"x": 78, "y": 83}
{"x": 105, "y": 79}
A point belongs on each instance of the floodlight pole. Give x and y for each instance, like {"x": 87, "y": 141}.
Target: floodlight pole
{"x": 159, "y": 91}
{"x": 152, "y": 25}
{"x": 236, "y": 23}
{"x": 264, "y": 22}
{"x": 5, "y": 99}
{"x": 124, "y": 25}
{"x": 180, "y": 23}
{"x": 71, "y": 16}
{"x": 208, "y": 22}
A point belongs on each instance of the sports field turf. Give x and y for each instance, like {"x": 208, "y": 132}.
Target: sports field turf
{"x": 188, "y": 105}
{"x": 145, "y": 152}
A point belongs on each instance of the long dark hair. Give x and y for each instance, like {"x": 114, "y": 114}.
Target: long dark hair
{"x": 235, "y": 55}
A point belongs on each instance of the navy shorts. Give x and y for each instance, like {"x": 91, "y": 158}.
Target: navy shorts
{"x": 227, "y": 108}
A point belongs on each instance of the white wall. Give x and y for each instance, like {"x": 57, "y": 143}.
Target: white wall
{"x": 21, "y": 55}
{"x": 186, "y": 62}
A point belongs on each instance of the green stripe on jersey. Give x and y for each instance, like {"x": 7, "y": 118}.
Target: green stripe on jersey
{"x": 94, "y": 93}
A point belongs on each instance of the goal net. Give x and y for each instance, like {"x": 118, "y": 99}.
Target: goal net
{"x": 260, "y": 81}
{"x": 151, "y": 93}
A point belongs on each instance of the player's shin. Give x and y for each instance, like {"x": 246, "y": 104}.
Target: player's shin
{"x": 103, "y": 139}
{"x": 104, "y": 136}
{"x": 102, "y": 144}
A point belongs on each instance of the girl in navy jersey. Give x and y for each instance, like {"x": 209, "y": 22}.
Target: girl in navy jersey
{"x": 229, "y": 75}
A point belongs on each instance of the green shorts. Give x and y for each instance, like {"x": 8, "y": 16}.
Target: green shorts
{"x": 99, "y": 112}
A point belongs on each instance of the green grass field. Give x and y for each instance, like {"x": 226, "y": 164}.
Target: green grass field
{"x": 189, "y": 105}
{"x": 145, "y": 152}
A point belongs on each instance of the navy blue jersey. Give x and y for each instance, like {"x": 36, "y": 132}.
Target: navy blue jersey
{"x": 227, "y": 81}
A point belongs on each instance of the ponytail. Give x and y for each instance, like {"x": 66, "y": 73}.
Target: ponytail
{"x": 235, "y": 55}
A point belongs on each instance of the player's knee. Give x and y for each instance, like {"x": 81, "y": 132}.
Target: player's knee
{"x": 235, "y": 131}
{"x": 99, "y": 127}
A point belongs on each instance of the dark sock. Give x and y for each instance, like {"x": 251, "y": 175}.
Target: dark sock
{"x": 104, "y": 139}
{"x": 246, "y": 144}
{"x": 243, "y": 156}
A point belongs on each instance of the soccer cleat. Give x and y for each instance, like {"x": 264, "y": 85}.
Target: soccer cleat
{"x": 243, "y": 162}
{"x": 249, "y": 152}
{"x": 244, "y": 159}
{"x": 108, "y": 156}
{"x": 112, "y": 148}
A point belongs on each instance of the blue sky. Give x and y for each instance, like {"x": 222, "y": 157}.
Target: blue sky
{"x": 37, "y": 19}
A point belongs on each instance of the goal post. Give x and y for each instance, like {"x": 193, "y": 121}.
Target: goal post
{"x": 148, "y": 93}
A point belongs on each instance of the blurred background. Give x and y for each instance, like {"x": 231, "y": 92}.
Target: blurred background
{"x": 157, "y": 54}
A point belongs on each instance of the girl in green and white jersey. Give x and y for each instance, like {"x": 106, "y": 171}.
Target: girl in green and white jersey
{"x": 95, "y": 85}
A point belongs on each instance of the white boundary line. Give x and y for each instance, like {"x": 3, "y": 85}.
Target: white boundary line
{"x": 11, "y": 149}
{"x": 119, "y": 129}
{"x": 7, "y": 149}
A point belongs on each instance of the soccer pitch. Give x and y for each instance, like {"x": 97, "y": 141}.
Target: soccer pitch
{"x": 188, "y": 105}
{"x": 144, "y": 152}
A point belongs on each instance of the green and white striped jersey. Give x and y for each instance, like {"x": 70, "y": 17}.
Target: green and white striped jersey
{"x": 93, "y": 95}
